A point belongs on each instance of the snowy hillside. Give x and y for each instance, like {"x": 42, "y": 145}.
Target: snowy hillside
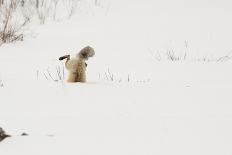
{"x": 159, "y": 83}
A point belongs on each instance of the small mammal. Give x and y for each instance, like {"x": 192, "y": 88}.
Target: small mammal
{"x": 77, "y": 65}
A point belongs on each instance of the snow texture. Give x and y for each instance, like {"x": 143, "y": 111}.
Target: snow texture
{"x": 133, "y": 103}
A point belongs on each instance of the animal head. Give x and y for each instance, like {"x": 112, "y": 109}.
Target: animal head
{"x": 86, "y": 52}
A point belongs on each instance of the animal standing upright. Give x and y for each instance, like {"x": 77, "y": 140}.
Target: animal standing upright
{"x": 77, "y": 65}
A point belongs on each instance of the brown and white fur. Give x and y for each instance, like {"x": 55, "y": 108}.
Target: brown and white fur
{"x": 77, "y": 65}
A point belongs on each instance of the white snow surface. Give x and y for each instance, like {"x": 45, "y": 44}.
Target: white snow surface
{"x": 148, "y": 107}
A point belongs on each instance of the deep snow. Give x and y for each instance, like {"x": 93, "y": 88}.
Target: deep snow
{"x": 150, "y": 107}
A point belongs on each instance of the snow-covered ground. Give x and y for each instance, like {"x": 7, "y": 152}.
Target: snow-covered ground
{"x": 133, "y": 103}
